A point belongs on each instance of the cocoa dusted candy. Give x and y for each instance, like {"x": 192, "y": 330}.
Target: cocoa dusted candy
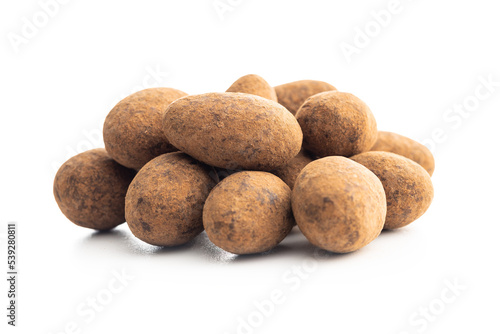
{"x": 408, "y": 186}
{"x": 293, "y": 94}
{"x": 133, "y": 132}
{"x": 338, "y": 204}
{"x": 409, "y": 148}
{"x": 233, "y": 130}
{"x": 90, "y": 190}
{"x": 336, "y": 123}
{"x": 248, "y": 212}
{"x": 164, "y": 203}
{"x": 291, "y": 170}
{"x": 253, "y": 84}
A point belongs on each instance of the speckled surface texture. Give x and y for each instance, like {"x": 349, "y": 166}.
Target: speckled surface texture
{"x": 293, "y": 94}
{"x": 338, "y": 204}
{"x": 90, "y": 190}
{"x": 133, "y": 132}
{"x": 291, "y": 170}
{"x": 253, "y": 84}
{"x": 409, "y": 148}
{"x": 335, "y": 123}
{"x": 408, "y": 186}
{"x": 248, "y": 212}
{"x": 233, "y": 130}
{"x": 165, "y": 200}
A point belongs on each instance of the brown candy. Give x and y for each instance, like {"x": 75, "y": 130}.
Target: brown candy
{"x": 253, "y": 84}
{"x": 338, "y": 204}
{"x": 248, "y": 212}
{"x": 233, "y": 130}
{"x": 90, "y": 190}
{"x": 408, "y": 186}
{"x": 409, "y": 148}
{"x": 133, "y": 132}
{"x": 165, "y": 200}
{"x": 293, "y": 94}
{"x": 336, "y": 123}
{"x": 291, "y": 170}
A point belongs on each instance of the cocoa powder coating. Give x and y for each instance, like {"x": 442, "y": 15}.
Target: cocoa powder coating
{"x": 165, "y": 200}
{"x": 409, "y": 148}
{"x": 408, "y": 186}
{"x": 255, "y": 85}
{"x": 133, "y": 132}
{"x": 248, "y": 212}
{"x": 338, "y": 204}
{"x": 292, "y": 169}
{"x": 336, "y": 123}
{"x": 293, "y": 94}
{"x": 233, "y": 130}
{"x": 90, "y": 190}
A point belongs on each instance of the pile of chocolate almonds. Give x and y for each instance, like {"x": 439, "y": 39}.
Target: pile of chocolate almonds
{"x": 247, "y": 165}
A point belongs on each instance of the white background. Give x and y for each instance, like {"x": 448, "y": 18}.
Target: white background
{"x": 58, "y": 85}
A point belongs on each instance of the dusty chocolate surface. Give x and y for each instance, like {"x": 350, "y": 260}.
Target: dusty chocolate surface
{"x": 248, "y": 212}
{"x": 233, "y": 130}
{"x": 165, "y": 200}
{"x": 408, "y": 186}
{"x": 90, "y": 190}
{"x": 255, "y": 85}
{"x": 293, "y": 94}
{"x": 291, "y": 170}
{"x": 133, "y": 132}
{"x": 409, "y": 148}
{"x": 338, "y": 204}
{"x": 336, "y": 123}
